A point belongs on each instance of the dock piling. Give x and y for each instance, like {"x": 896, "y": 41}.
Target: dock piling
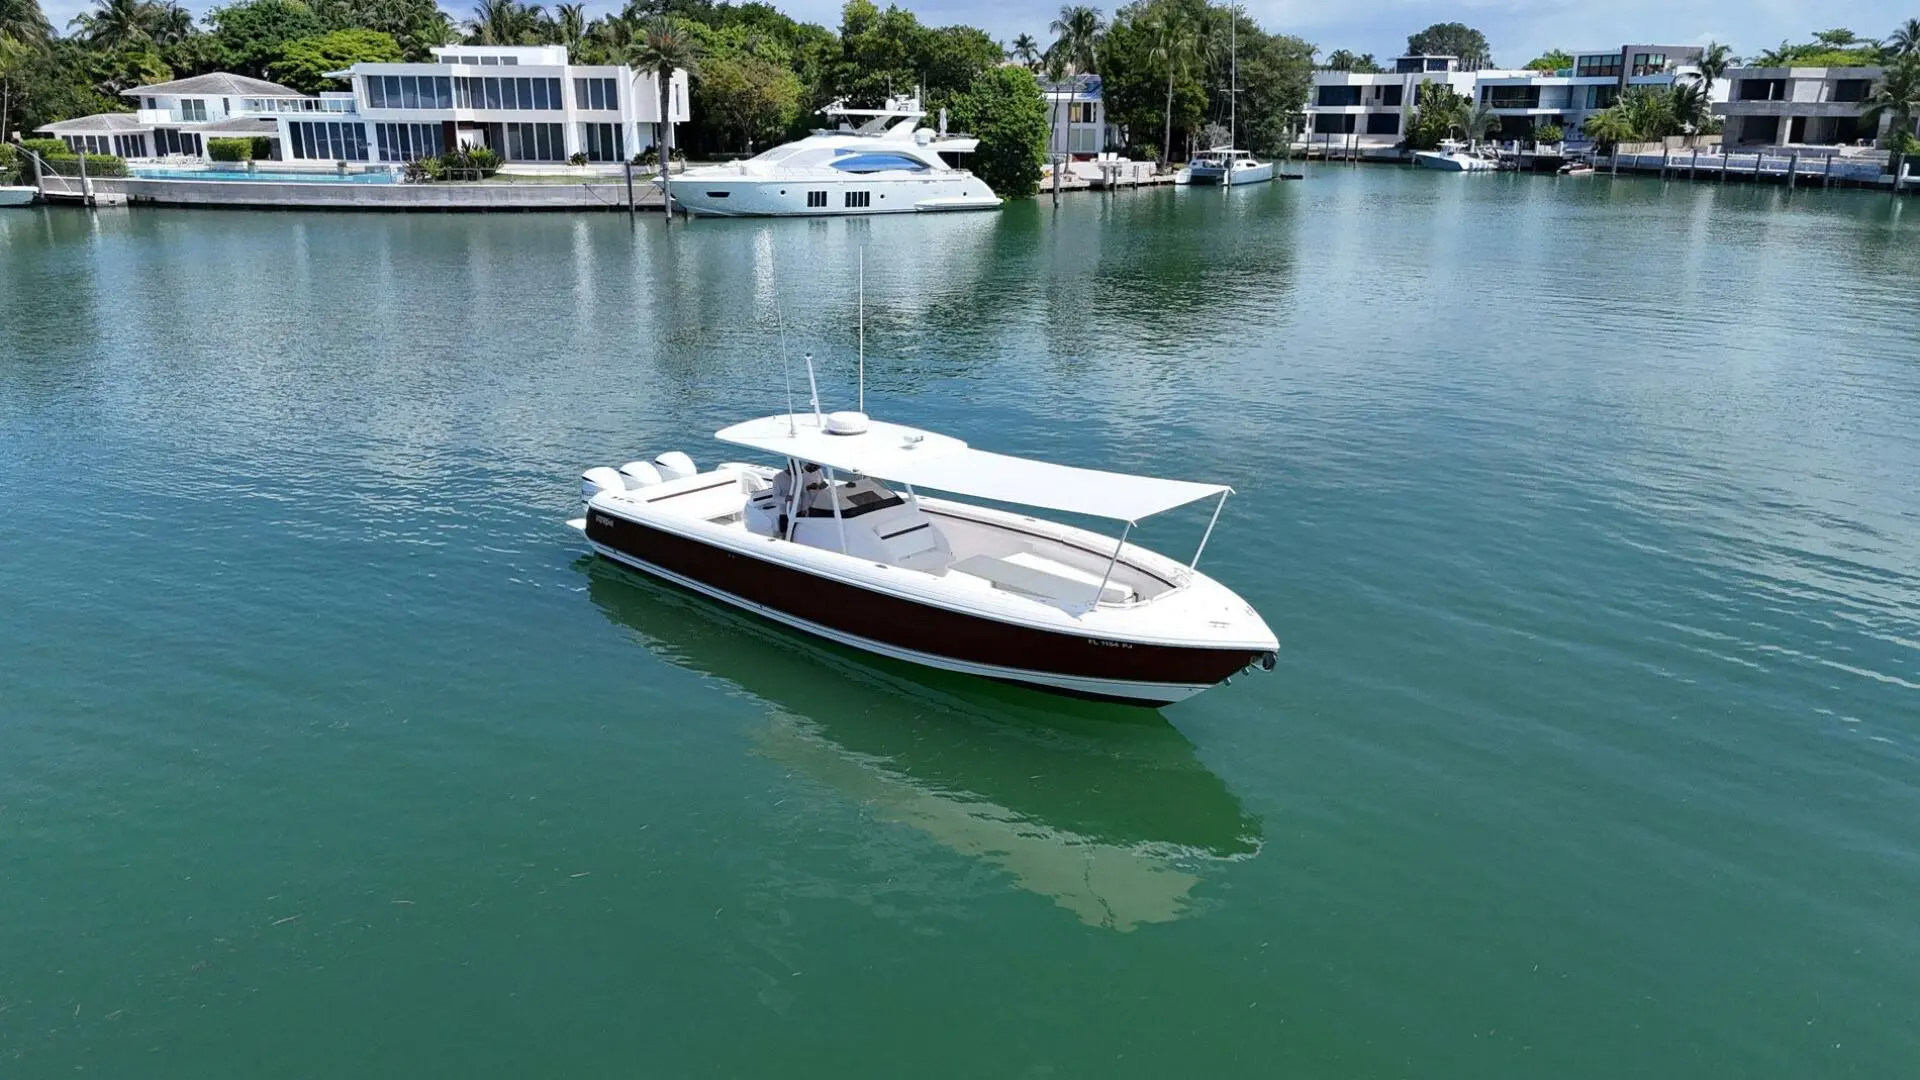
{"x": 631, "y": 207}
{"x": 1793, "y": 170}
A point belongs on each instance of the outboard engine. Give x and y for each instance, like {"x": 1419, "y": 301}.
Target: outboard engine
{"x": 639, "y": 474}
{"x": 674, "y": 465}
{"x": 599, "y": 479}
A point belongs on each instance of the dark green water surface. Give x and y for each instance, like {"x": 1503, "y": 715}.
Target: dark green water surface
{"x": 1587, "y": 513}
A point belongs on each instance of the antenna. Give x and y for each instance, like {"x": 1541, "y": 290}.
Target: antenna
{"x": 863, "y": 329}
{"x": 814, "y": 388}
{"x": 786, "y": 358}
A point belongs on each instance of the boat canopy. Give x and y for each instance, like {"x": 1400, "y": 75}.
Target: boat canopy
{"x": 941, "y": 462}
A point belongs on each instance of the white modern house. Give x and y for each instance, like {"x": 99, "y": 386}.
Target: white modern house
{"x": 1800, "y": 106}
{"x": 1077, "y": 117}
{"x": 1525, "y": 100}
{"x": 1365, "y": 112}
{"x": 525, "y": 102}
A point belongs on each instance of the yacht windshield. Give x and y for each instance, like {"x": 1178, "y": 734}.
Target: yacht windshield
{"x": 778, "y": 153}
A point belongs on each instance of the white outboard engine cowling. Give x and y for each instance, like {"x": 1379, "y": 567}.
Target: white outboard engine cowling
{"x": 639, "y": 474}
{"x": 598, "y": 479}
{"x": 674, "y": 465}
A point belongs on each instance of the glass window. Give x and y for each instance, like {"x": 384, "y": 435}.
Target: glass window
{"x": 1339, "y": 95}
{"x": 409, "y": 92}
{"x": 579, "y": 93}
{"x": 553, "y": 95}
{"x": 442, "y": 92}
{"x": 523, "y": 92}
{"x": 376, "y": 93}
{"x": 539, "y": 94}
{"x": 510, "y": 61}
{"x": 490, "y": 61}
{"x": 1390, "y": 95}
{"x": 493, "y": 93}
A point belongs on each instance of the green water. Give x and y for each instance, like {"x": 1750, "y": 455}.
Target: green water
{"x": 1586, "y": 514}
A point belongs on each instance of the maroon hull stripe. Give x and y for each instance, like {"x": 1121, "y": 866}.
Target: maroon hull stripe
{"x": 904, "y": 624}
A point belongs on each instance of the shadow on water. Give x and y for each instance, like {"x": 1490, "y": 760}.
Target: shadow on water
{"x": 1104, "y": 809}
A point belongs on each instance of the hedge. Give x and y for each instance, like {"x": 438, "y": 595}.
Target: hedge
{"x": 262, "y": 147}
{"x": 45, "y": 147}
{"x": 230, "y": 149}
{"x": 98, "y": 165}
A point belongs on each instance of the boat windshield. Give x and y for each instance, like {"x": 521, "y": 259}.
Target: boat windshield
{"x": 778, "y": 153}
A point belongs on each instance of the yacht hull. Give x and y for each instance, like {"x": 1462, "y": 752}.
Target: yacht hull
{"x": 1079, "y": 665}
{"x": 1440, "y": 162}
{"x": 1249, "y": 174}
{"x": 750, "y": 196}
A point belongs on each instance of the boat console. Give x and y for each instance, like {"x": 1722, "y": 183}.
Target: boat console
{"x": 879, "y": 524}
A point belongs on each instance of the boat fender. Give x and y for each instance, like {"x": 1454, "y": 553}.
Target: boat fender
{"x": 674, "y": 465}
{"x": 639, "y": 474}
{"x": 598, "y": 479}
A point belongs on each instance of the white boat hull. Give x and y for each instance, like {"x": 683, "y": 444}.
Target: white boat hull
{"x": 1242, "y": 174}
{"x": 17, "y": 196}
{"x": 1433, "y": 159}
{"x": 1152, "y": 652}
{"x": 758, "y": 196}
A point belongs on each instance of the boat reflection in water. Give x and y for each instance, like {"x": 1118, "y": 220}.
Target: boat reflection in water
{"x": 1103, "y": 809}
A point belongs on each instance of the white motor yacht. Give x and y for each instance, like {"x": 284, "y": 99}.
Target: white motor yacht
{"x": 877, "y": 161}
{"x": 1454, "y": 156}
{"x": 841, "y": 543}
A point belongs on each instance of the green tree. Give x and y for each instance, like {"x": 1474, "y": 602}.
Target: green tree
{"x": 664, "y": 49}
{"x": 417, "y": 25}
{"x": 751, "y": 99}
{"x": 1476, "y": 122}
{"x": 1608, "y": 128}
{"x": 505, "y": 22}
{"x": 1178, "y": 47}
{"x": 1437, "y": 111}
{"x": 1026, "y": 50}
{"x": 1714, "y": 61}
{"x": 1904, "y": 41}
{"x": 1688, "y": 104}
{"x": 251, "y": 34}
{"x": 1895, "y": 99}
{"x": 1551, "y": 60}
{"x": 1005, "y": 111}
{"x": 948, "y": 59}
{"x": 114, "y": 25}
{"x": 1340, "y": 60}
{"x": 1548, "y": 134}
{"x": 1452, "y": 39}
{"x": 570, "y": 26}
{"x": 1077, "y": 31}
{"x": 304, "y": 63}
{"x": 23, "y": 21}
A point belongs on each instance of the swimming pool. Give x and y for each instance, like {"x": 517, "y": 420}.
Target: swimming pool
{"x": 283, "y": 177}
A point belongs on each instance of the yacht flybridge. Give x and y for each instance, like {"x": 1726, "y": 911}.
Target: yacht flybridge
{"x": 841, "y": 543}
{"x": 876, "y": 161}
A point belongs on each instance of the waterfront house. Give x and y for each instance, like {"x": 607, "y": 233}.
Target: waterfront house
{"x": 1525, "y": 100}
{"x": 1802, "y": 106}
{"x": 1364, "y": 112}
{"x": 1077, "y": 117}
{"x": 525, "y": 102}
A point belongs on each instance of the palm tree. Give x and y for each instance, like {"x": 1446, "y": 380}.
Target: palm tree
{"x": 23, "y": 21}
{"x": 570, "y": 25}
{"x": 1476, "y": 121}
{"x": 1895, "y": 98}
{"x": 1780, "y": 57}
{"x": 114, "y": 24}
{"x": 1689, "y": 104}
{"x": 1904, "y": 41}
{"x": 499, "y": 22}
{"x": 1608, "y": 128}
{"x": 1075, "y": 50}
{"x": 1340, "y": 60}
{"x": 1715, "y": 59}
{"x": 1177, "y": 44}
{"x": 663, "y": 50}
{"x": 1026, "y": 50}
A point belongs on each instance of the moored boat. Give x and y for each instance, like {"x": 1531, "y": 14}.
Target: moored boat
{"x": 826, "y": 545}
{"x": 1454, "y": 157}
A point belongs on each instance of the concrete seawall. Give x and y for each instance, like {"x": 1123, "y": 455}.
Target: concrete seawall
{"x": 273, "y": 195}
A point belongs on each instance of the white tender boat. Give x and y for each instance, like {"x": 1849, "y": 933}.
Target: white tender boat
{"x": 888, "y": 164}
{"x": 840, "y": 543}
{"x": 1454, "y": 157}
{"x": 17, "y": 196}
